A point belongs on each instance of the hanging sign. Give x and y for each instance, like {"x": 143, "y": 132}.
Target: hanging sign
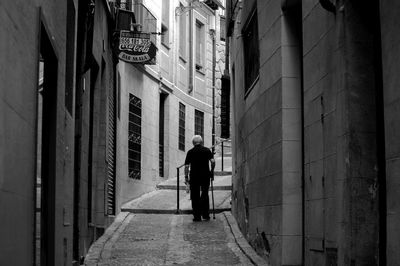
{"x": 136, "y": 48}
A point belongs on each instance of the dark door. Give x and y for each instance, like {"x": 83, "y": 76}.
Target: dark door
{"x": 46, "y": 153}
{"x": 161, "y": 134}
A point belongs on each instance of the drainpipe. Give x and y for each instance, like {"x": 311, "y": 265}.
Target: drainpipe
{"x": 212, "y": 34}
{"x": 190, "y": 89}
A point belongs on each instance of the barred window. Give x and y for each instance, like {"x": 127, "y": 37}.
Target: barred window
{"x": 135, "y": 137}
{"x": 199, "y": 123}
{"x": 251, "y": 51}
{"x": 182, "y": 113}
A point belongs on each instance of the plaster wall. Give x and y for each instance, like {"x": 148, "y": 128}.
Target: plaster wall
{"x": 320, "y": 133}
{"x": 340, "y": 85}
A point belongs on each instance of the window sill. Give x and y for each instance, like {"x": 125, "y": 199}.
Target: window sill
{"x": 183, "y": 59}
{"x": 200, "y": 69}
{"x": 251, "y": 87}
{"x": 166, "y": 46}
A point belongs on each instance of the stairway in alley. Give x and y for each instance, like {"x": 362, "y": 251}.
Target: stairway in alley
{"x": 148, "y": 232}
{"x": 164, "y": 199}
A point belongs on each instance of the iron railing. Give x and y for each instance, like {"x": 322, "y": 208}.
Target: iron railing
{"x": 221, "y": 142}
{"x": 178, "y": 188}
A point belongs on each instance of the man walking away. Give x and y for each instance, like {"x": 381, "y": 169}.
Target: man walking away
{"x": 197, "y": 159}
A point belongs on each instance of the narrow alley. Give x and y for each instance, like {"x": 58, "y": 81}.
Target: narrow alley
{"x": 150, "y": 230}
{"x": 116, "y": 115}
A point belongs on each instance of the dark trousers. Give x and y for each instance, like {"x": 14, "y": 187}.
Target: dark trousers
{"x": 200, "y": 201}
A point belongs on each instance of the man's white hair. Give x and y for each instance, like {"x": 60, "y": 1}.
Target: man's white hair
{"x": 197, "y": 140}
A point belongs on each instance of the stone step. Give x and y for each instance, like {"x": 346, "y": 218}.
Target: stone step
{"x": 161, "y": 211}
{"x": 182, "y": 187}
{"x": 165, "y": 201}
{"x": 223, "y": 173}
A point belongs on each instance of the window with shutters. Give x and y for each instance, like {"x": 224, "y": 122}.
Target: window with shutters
{"x": 199, "y": 45}
{"x": 135, "y": 137}
{"x": 199, "y": 123}
{"x": 165, "y": 23}
{"x": 251, "y": 51}
{"x": 182, "y": 34}
{"x": 182, "y": 114}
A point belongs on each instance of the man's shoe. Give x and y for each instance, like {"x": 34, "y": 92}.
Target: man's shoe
{"x": 196, "y": 220}
{"x": 206, "y": 218}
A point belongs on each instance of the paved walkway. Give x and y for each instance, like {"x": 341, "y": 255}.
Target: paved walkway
{"x": 159, "y": 239}
{"x": 149, "y": 232}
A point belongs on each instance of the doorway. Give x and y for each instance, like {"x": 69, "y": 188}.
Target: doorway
{"x": 45, "y": 152}
{"x": 161, "y": 151}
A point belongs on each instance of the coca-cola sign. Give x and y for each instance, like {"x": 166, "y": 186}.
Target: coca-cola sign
{"x": 136, "y": 48}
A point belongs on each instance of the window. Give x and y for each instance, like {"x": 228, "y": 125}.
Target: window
{"x": 199, "y": 123}
{"x": 222, "y": 28}
{"x": 165, "y": 23}
{"x": 182, "y": 126}
{"x": 182, "y": 34}
{"x": 135, "y": 137}
{"x": 251, "y": 51}
{"x": 199, "y": 45}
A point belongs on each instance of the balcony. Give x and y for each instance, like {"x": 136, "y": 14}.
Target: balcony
{"x": 214, "y": 4}
{"x": 135, "y": 15}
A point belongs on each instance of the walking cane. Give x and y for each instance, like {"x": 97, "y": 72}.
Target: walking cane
{"x": 212, "y": 193}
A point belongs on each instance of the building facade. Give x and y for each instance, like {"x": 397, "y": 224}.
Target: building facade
{"x": 315, "y": 123}
{"x": 163, "y": 105}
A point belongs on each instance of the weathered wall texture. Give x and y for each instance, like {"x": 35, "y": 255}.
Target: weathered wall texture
{"x": 305, "y": 138}
{"x": 267, "y": 171}
{"x": 390, "y": 24}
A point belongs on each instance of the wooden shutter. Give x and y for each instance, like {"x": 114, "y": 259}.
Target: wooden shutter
{"x": 111, "y": 152}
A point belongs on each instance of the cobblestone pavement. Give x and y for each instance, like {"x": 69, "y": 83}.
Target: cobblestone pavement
{"x": 160, "y": 239}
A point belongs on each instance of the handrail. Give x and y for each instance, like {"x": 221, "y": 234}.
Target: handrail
{"x": 220, "y": 142}
{"x": 177, "y": 188}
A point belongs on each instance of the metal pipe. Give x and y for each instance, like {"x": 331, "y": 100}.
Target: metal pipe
{"x": 222, "y": 152}
{"x": 177, "y": 190}
{"x": 191, "y": 61}
{"x": 212, "y": 33}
